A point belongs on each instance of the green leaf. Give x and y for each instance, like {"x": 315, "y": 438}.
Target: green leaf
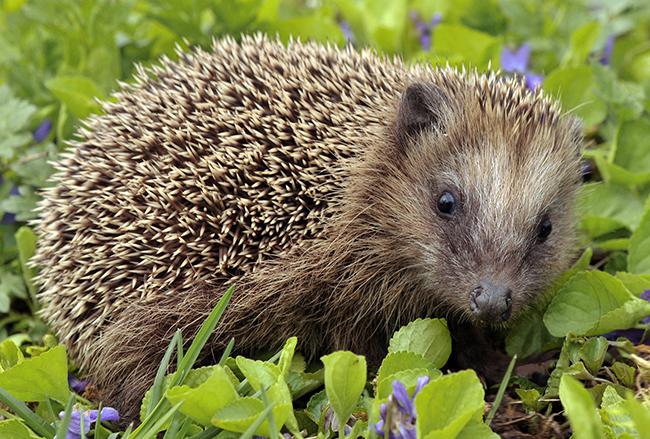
{"x": 428, "y": 337}
{"x": 39, "y": 378}
{"x": 640, "y": 414}
{"x": 477, "y": 430}
{"x": 10, "y": 355}
{"x": 638, "y": 260}
{"x": 636, "y": 284}
{"x": 202, "y": 402}
{"x": 15, "y": 429}
{"x": 345, "y": 378}
{"x": 260, "y": 374}
{"x": 240, "y": 414}
{"x": 580, "y": 409}
{"x": 446, "y": 405}
{"x": 26, "y": 243}
{"x": 286, "y": 355}
{"x": 593, "y": 353}
{"x": 408, "y": 377}
{"x": 606, "y": 207}
{"x": 574, "y": 86}
{"x": 459, "y": 44}
{"x": 77, "y": 93}
{"x": 630, "y": 152}
{"x": 593, "y": 303}
{"x": 399, "y": 361}
{"x": 624, "y": 373}
{"x": 582, "y": 42}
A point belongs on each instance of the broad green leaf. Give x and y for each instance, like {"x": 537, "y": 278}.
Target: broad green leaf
{"x": 477, "y": 430}
{"x": 460, "y": 44}
{"x": 638, "y": 260}
{"x": 240, "y": 414}
{"x": 593, "y": 303}
{"x": 574, "y": 86}
{"x": 15, "y": 429}
{"x": 580, "y": 409}
{"x": 582, "y": 42}
{"x": 606, "y": 207}
{"x": 593, "y": 353}
{"x": 260, "y": 374}
{"x": 39, "y": 378}
{"x": 10, "y": 355}
{"x": 632, "y": 152}
{"x": 76, "y": 92}
{"x": 528, "y": 334}
{"x": 408, "y": 377}
{"x": 202, "y": 402}
{"x": 636, "y": 284}
{"x": 402, "y": 360}
{"x": 446, "y": 405}
{"x": 624, "y": 373}
{"x": 614, "y": 414}
{"x": 345, "y": 378}
{"x": 640, "y": 414}
{"x": 427, "y": 337}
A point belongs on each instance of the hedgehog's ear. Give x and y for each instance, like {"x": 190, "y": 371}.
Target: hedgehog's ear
{"x": 421, "y": 107}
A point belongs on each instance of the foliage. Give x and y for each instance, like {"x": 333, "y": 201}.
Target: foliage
{"x": 58, "y": 56}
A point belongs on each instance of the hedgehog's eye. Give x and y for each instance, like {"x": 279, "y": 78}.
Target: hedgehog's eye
{"x": 544, "y": 229}
{"x": 446, "y": 204}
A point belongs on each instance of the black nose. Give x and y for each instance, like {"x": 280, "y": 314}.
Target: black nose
{"x": 490, "y": 302}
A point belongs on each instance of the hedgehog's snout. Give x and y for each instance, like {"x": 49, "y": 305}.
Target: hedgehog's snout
{"x": 491, "y": 302}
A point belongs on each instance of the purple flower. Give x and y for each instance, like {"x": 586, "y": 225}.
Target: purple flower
{"x": 516, "y": 62}
{"x": 425, "y": 29}
{"x": 347, "y": 31}
{"x": 400, "y": 412}
{"x": 42, "y": 131}
{"x": 89, "y": 417}
{"x": 634, "y": 335}
{"x": 79, "y": 386}
{"x": 533, "y": 81}
{"x": 606, "y": 56}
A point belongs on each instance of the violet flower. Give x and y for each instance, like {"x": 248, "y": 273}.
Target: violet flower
{"x": 634, "y": 334}
{"x": 42, "y": 131}
{"x": 606, "y": 56}
{"x": 516, "y": 62}
{"x": 400, "y": 412}
{"x": 79, "y": 386}
{"x": 89, "y": 417}
{"x": 347, "y": 31}
{"x": 425, "y": 29}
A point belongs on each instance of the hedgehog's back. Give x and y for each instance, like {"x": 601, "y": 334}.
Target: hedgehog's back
{"x": 202, "y": 169}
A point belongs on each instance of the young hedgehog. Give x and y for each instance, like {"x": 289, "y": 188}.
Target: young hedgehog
{"x": 343, "y": 194}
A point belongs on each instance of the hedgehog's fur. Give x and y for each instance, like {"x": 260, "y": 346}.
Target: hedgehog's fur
{"x": 296, "y": 173}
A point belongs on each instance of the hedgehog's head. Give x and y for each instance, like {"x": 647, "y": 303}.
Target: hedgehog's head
{"x": 482, "y": 191}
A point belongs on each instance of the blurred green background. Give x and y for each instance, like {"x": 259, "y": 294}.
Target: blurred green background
{"x": 58, "y": 56}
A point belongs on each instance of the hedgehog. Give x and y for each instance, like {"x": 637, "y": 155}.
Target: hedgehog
{"x": 342, "y": 192}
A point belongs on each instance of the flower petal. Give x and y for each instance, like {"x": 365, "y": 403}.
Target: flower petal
{"x": 533, "y": 81}
{"x": 402, "y": 398}
{"x": 515, "y": 60}
{"x": 422, "y": 381}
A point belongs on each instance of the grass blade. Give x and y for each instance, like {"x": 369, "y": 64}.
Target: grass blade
{"x": 159, "y": 381}
{"x": 207, "y": 328}
{"x": 502, "y": 391}
{"x": 226, "y": 352}
{"x": 158, "y": 425}
{"x": 33, "y": 421}
{"x": 65, "y": 422}
{"x": 250, "y": 431}
{"x": 208, "y": 433}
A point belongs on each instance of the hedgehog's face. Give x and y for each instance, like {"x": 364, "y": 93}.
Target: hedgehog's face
{"x": 494, "y": 195}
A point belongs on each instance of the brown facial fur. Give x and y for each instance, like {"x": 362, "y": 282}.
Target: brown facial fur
{"x": 297, "y": 174}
